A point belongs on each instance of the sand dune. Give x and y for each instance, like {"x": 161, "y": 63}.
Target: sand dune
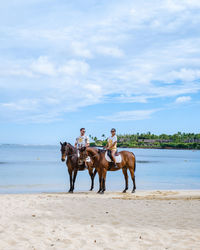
{"x": 144, "y": 220}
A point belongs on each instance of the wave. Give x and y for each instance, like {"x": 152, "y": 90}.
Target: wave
{"x": 147, "y": 161}
{"x": 27, "y": 145}
{"x": 36, "y": 162}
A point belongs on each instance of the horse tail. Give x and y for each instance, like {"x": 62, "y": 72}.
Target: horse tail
{"x": 134, "y": 161}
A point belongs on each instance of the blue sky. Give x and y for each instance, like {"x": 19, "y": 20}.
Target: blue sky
{"x": 132, "y": 65}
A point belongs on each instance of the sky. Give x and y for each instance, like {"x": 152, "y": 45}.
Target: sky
{"x": 66, "y": 64}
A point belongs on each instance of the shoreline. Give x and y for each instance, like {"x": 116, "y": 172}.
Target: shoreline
{"x": 167, "y": 148}
{"x": 56, "y": 145}
{"x": 157, "y": 194}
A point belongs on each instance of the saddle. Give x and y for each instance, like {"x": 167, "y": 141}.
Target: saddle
{"x": 109, "y": 157}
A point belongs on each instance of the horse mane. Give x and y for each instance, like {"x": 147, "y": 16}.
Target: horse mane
{"x": 93, "y": 151}
{"x": 69, "y": 144}
{"x": 101, "y": 150}
{"x": 71, "y": 147}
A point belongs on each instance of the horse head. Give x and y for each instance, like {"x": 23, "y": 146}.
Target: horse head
{"x": 63, "y": 150}
{"x": 83, "y": 154}
{"x": 67, "y": 149}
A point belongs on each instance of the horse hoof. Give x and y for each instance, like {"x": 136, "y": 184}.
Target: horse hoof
{"x": 91, "y": 189}
{"x": 133, "y": 191}
{"x": 70, "y": 191}
{"x": 102, "y": 192}
{"x": 98, "y": 192}
{"x": 124, "y": 191}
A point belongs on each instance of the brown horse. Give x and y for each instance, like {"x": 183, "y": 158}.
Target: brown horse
{"x": 74, "y": 165}
{"x": 102, "y": 165}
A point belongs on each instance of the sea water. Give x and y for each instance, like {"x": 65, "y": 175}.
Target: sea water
{"x": 33, "y": 169}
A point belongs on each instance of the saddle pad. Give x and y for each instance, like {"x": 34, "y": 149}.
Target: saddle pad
{"x": 118, "y": 158}
{"x": 88, "y": 159}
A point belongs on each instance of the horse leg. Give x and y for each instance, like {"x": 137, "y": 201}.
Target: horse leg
{"x": 100, "y": 178}
{"x": 94, "y": 174}
{"x": 124, "y": 170}
{"x": 133, "y": 179}
{"x": 91, "y": 176}
{"x": 90, "y": 170}
{"x": 70, "y": 178}
{"x": 74, "y": 178}
{"x": 103, "y": 181}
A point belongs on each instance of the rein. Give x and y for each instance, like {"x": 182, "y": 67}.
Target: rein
{"x": 93, "y": 156}
{"x": 70, "y": 155}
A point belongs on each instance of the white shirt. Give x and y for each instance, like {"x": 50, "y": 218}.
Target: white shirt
{"x": 111, "y": 140}
{"x": 82, "y": 141}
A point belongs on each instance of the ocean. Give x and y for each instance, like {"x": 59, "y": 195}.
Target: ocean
{"x": 37, "y": 169}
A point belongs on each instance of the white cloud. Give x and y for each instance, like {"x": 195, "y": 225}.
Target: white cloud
{"x": 132, "y": 115}
{"x": 110, "y": 51}
{"x": 183, "y": 99}
{"x": 43, "y": 66}
{"x": 21, "y": 105}
{"x": 93, "y": 89}
{"x": 80, "y": 49}
{"x": 74, "y": 67}
{"x": 184, "y": 75}
{"x": 131, "y": 99}
{"x": 125, "y": 52}
{"x": 15, "y": 71}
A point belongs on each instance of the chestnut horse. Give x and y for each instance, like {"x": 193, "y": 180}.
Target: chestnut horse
{"x": 73, "y": 164}
{"x": 102, "y": 165}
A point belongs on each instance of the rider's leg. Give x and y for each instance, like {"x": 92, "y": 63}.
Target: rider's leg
{"x": 113, "y": 156}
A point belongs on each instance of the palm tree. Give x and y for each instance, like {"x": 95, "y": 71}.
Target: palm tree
{"x": 103, "y": 137}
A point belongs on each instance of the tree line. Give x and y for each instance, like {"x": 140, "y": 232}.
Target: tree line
{"x": 178, "y": 140}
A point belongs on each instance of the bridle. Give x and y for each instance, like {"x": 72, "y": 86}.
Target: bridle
{"x": 90, "y": 156}
{"x": 67, "y": 150}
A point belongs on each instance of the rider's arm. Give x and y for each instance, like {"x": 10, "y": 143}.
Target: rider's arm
{"x": 87, "y": 142}
{"x": 106, "y": 146}
{"x": 113, "y": 144}
{"x": 76, "y": 142}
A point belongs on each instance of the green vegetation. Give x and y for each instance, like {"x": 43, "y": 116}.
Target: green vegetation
{"x": 148, "y": 140}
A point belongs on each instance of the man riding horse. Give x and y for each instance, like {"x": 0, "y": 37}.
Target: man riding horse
{"x": 82, "y": 141}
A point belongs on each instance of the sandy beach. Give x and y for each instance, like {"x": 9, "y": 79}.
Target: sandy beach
{"x": 144, "y": 220}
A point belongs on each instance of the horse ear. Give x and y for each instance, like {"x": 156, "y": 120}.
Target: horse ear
{"x": 81, "y": 149}
{"x": 61, "y": 143}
